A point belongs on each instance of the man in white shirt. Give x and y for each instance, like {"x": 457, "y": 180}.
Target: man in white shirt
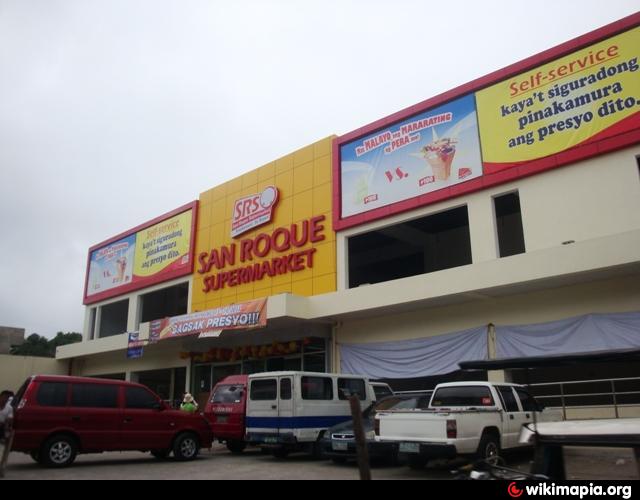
{"x": 6, "y": 413}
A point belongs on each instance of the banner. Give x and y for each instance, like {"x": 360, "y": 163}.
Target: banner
{"x": 427, "y": 152}
{"x": 250, "y": 314}
{"x": 135, "y": 347}
{"x": 586, "y": 96}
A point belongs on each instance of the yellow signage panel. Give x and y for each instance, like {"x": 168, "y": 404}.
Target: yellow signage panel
{"x": 163, "y": 246}
{"x": 583, "y": 97}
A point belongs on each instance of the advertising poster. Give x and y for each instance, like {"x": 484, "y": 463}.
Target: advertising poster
{"x": 427, "y": 152}
{"x": 135, "y": 348}
{"x": 111, "y": 266}
{"x": 163, "y": 247}
{"x": 151, "y": 255}
{"x": 586, "y": 96}
{"x": 249, "y": 314}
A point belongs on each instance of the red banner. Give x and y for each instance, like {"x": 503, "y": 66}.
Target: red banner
{"x": 250, "y": 314}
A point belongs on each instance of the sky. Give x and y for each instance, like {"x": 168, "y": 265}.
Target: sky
{"x": 113, "y": 112}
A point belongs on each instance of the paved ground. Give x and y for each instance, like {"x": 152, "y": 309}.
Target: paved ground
{"x": 220, "y": 464}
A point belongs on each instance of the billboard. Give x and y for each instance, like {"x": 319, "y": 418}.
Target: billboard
{"x": 571, "y": 102}
{"x": 152, "y": 253}
{"x": 575, "y": 100}
{"x": 427, "y": 152}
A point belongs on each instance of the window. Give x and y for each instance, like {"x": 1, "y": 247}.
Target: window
{"x": 264, "y": 390}
{"x": 463, "y": 396}
{"x": 171, "y": 301}
{"x": 285, "y": 389}
{"x": 113, "y": 319}
{"x": 228, "y": 394}
{"x": 349, "y": 386}
{"x": 140, "y": 399}
{"x": 317, "y": 388}
{"x": 508, "y": 399}
{"x": 94, "y": 396}
{"x": 509, "y": 224}
{"x": 528, "y": 403}
{"x": 433, "y": 243}
{"x": 52, "y": 394}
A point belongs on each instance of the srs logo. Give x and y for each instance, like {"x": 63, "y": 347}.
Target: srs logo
{"x": 253, "y": 211}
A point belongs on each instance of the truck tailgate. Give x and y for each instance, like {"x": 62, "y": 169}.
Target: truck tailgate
{"x": 412, "y": 426}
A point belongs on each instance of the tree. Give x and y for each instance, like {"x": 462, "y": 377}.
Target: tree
{"x": 36, "y": 345}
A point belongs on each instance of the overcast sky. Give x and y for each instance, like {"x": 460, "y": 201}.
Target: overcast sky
{"x": 113, "y": 112}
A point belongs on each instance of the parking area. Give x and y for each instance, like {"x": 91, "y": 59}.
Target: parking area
{"x": 220, "y": 464}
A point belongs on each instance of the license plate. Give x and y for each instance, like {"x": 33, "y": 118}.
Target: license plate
{"x": 409, "y": 448}
{"x": 271, "y": 440}
{"x": 222, "y": 419}
{"x": 338, "y": 446}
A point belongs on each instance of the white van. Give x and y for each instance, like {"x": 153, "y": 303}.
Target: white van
{"x": 290, "y": 411}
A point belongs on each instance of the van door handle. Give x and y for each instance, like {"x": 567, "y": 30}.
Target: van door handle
{"x": 511, "y": 417}
{"x": 274, "y": 407}
{"x": 528, "y": 415}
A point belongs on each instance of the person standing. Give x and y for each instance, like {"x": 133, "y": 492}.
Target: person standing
{"x": 6, "y": 414}
{"x": 189, "y": 404}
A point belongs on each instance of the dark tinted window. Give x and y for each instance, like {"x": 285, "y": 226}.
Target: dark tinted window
{"x": 509, "y": 224}
{"x": 285, "y": 389}
{"x": 528, "y": 403}
{"x": 463, "y": 396}
{"x": 317, "y": 388}
{"x": 348, "y": 386}
{"x": 508, "y": 399}
{"x": 94, "y": 396}
{"x": 264, "y": 390}
{"x": 140, "y": 398}
{"x": 228, "y": 394}
{"x": 53, "y": 394}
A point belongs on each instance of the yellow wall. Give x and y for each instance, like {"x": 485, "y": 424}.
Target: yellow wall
{"x": 303, "y": 179}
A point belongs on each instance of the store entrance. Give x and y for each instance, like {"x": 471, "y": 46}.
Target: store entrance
{"x": 308, "y": 355}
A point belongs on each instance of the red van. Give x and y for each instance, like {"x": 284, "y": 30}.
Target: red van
{"x": 226, "y": 411}
{"x": 58, "y": 417}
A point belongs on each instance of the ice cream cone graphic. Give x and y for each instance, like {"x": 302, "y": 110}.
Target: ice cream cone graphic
{"x": 439, "y": 155}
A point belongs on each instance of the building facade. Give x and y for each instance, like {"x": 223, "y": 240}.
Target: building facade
{"x": 499, "y": 219}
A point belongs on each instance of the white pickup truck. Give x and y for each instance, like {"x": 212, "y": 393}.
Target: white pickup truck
{"x": 463, "y": 418}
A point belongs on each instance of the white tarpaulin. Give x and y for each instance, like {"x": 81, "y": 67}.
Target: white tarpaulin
{"x": 593, "y": 332}
{"x": 414, "y": 358}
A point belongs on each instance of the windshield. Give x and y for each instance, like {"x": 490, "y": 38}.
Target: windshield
{"x": 228, "y": 394}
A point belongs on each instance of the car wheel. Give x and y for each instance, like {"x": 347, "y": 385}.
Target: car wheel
{"x": 59, "y": 451}
{"x": 236, "y": 446}
{"x": 489, "y": 446}
{"x": 186, "y": 447}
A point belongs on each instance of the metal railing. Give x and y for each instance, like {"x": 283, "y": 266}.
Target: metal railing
{"x": 614, "y": 394}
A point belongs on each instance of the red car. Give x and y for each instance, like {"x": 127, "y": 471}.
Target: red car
{"x": 226, "y": 411}
{"x": 58, "y": 417}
